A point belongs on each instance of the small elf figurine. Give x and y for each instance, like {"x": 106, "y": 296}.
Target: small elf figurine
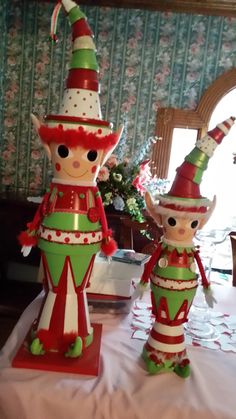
{"x": 70, "y": 225}
{"x": 171, "y": 268}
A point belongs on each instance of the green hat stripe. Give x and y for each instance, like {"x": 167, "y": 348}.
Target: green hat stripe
{"x": 197, "y": 158}
{"x": 84, "y": 58}
{"x": 75, "y": 14}
{"x": 198, "y": 176}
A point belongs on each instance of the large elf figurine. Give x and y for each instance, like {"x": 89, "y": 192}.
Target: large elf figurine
{"x": 172, "y": 268}
{"x": 70, "y": 225}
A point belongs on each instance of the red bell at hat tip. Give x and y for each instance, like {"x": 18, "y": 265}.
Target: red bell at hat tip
{"x": 221, "y": 130}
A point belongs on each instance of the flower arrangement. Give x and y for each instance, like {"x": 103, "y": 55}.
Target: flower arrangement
{"x": 123, "y": 181}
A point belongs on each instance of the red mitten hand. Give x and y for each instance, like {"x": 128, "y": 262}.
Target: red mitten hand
{"x": 109, "y": 246}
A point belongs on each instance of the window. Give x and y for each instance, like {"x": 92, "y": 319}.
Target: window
{"x": 220, "y": 176}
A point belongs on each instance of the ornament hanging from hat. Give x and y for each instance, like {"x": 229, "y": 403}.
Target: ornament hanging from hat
{"x": 172, "y": 267}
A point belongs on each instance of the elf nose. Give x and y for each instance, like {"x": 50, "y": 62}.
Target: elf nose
{"x": 76, "y": 164}
{"x": 181, "y": 231}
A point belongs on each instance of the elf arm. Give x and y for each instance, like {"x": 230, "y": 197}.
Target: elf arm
{"x": 205, "y": 283}
{"x": 109, "y": 245}
{"x": 28, "y": 238}
{"x": 150, "y": 265}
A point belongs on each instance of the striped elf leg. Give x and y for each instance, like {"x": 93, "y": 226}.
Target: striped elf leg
{"x": 165, "y": 347}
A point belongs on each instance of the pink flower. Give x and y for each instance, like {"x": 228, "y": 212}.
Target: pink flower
{"x": 126, "y": 161}
{"x": 11, "y": 147}
{"x": 130, "y": 71}
{"x": 142, "y": 178}
{"x": 38, "y": 94}
{"x": 9, "y": 95}
{"x": 13, "y": 32}
{"x": 14, "y": 87}
{"x": 132, "y": 100}
{"x": 40, "y": 67}
{"x": 6, "y": 180}
{"x": 138, "y": 35}
{"x": 112, "y": 161}
{"x": 132, "y": 43}
{"x": 35, "y": 154}
{"x": 159, "y": 77}
{"x": 8, "y": 122}
{"x": 103, "y": 174}
{"x": 126, "y": 106}
{"x": 34, "y": 185}
{"x": 11, "y": 60}
{"x": 6, "y": 155}
{"x": 103, "y": 35}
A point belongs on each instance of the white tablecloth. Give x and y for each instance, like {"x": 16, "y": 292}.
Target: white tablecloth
{"x": 123, "y": 389}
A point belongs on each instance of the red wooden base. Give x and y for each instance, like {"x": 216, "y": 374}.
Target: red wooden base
{"x": 87, "y": 363}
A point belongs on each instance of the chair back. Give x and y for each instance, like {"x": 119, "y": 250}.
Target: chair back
{"x": 233, "y": 247}
{"x": 132, "y": 236}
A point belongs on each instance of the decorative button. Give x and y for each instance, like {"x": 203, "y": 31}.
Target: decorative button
{"x": 163, "y": 263}
{"x": 82, "y": 195}
{"x": 60, "y": 194}
{"x": 93, "y": 215}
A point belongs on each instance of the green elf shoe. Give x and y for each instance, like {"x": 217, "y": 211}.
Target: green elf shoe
{"x": 36, "y": 347}
{"x": 183, "y": 369}
{"x": 75, "y": 350}
{"x": 152, "y": 366}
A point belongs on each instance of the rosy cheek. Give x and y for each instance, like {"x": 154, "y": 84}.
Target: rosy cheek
{"x": 58, "y": 167}
{"x": 93, "y": 169}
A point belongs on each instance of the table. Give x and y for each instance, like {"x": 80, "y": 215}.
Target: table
{"x": 123, "y": 389}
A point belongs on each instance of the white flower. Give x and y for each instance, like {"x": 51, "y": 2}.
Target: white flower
{"x": 117, "y": 177}
{"x": 108, "y": 198}
{"x": 118, "y": 203}
{"x": 132, "y": 204}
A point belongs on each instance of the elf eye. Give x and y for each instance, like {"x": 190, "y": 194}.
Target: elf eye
{"x": 63, "y": 151}
{"x": 92, "y": 155}
{"x": 171, "y": 221}
{"x": 194, "y": 224}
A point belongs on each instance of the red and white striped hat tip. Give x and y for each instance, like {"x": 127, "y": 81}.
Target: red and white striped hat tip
{"x": 230, "y": 121}
{"x": 226, "y": 125}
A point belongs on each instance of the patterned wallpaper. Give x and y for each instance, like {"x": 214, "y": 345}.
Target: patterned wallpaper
{"x": 147, "y": 60}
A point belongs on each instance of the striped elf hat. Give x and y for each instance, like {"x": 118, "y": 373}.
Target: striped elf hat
{"x": 184, "y": 196}
{"x": 80, "y": 108}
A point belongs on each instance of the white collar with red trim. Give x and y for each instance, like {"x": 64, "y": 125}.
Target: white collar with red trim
{"x": 74, "y": 183}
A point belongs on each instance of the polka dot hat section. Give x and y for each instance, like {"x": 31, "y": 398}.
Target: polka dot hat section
{"x": 81, "y": 103}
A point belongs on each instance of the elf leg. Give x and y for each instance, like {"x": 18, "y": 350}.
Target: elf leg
{"x": 64, "y": 323}
{"x": 165, "y": 348}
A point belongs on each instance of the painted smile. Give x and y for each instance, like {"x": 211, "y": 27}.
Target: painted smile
{"x": 77, "y": 175}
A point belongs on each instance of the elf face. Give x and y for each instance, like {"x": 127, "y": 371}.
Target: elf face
{"x": 75, "y": 164}
{"x": 180, "y": 229}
